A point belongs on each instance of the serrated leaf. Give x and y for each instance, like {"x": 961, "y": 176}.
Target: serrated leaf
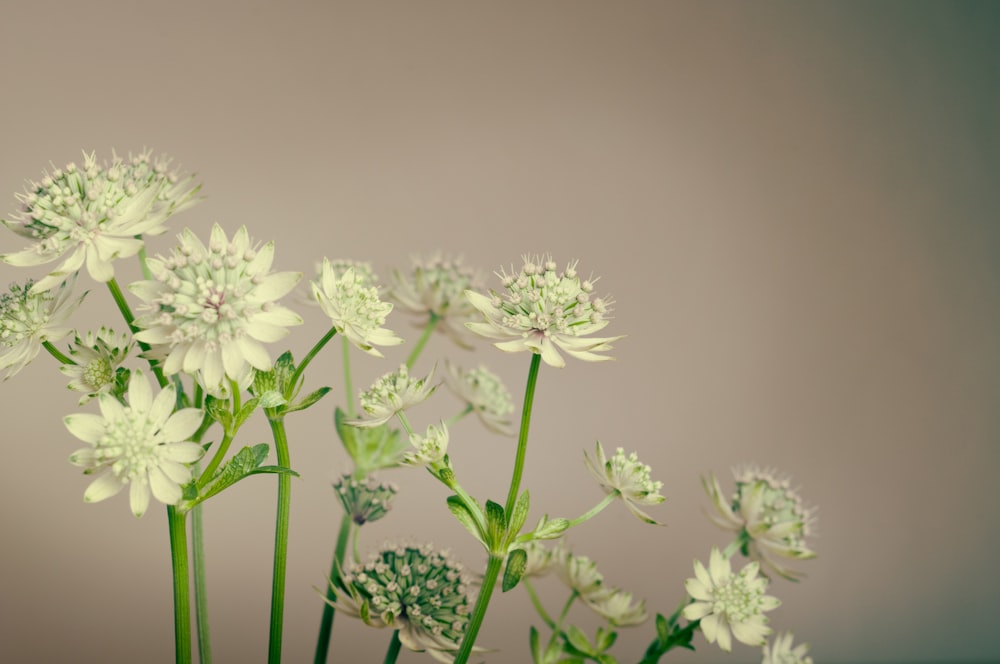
{"x": 578, "y": 641}
{"x": 274, "y": 470}
{"x": 605, "y": 639}
{"x": 246, "y": 410}
{"x": 463, "y": 513}
{"x": 309, "y": 400}
{"x": 244, "y": 463}
{"x": 549, "y": 529}
{"x": 272, "y": 399}
{"x": 517, "y": 562}
{"x": 518, "y": 516}
{"x": 218, "y": 410}
{"x": 496, "y": 525}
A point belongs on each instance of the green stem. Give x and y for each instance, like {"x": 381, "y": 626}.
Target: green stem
{"x": 119, "y": 297}
{"x": 280, "y": 537}
{"x": 733, "y": 547}
{"x": 200, "y": 592}
{"x": 458, "y": 416}
{"x": 422, "y": 341}
{"x": 220, "y": 453}
{"x": 56, "y": 353}
{"x": 309, "y": 358}
{"x": 394, "y": 646}
{"x": 608, "y": 499}
{"x": 146, "y": 272}
{"x": 479, "y": 612}
{"x": 348, "y": 386}
{"x": 557, "y": 629}
{"x": 326, "y": 624}
{"x": 182, "y": 599}
{"x": 537, "y": 603}
{"x": 405, "y": 422}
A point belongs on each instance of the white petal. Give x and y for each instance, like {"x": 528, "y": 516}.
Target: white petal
{"x": 697, "y": 590}
{"x": 165, "y": 490}
{"x": 87, "y": 427}
{"x": 280, "y": 316}
{"x": 725, "y": 641}
{"x": 103, "y": 487}
{"x": 277, "y": 285}
{"x": 710, "y": 627}
{"x": 140, "y": 396}
{"x": 183, "y": 452}
{"x": 177, "y": 473}
{"x": 100, "y": 270}
{"x": 751, "y": 633}
{"x": 254, "y": 353}
{"x": 266, "y": 332}
{"x": 110, "y": 408}
{"x": 194, "y": 357}
{"x": 85, "y": 458}
{"x": 232, "y": 358}
{"x": 138, "y": 497}
{"x": 182, "y": 425}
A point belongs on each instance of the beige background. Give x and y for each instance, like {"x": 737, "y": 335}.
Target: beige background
{"x": 793, "y": 204}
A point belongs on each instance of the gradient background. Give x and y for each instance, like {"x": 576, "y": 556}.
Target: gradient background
{"x": 795, "y": 206}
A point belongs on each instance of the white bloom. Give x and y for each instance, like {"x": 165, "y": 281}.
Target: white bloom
{"x": 540, "y": 559}
{"x": 768, "y": 514}
{"x": 392, "y": 393}
{"x": 28, "y": 318}
{"x": 354, "y": 308}
{"x": 366, "y": 500}
{"x": 617, "y": 607}
{"x": 97, "y": 358}
{"x": 545, "y": 311}
{"x": 143, "y": 443}
{"x": 579, "y": 573}
{"x": 781, "y": 651}
{"x": 724, "y": 601}
{"x": 626, "y": 477}
{"x": 434, "y": 290}
{"x": 96, "y": 214}
{"x": 213, "y": 308}
{"x": 484, "y": 392}
{"x": 429, "y": 449}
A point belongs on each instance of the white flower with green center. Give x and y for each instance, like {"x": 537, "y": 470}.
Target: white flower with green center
{"x": 617, "y": 606}
{"x": 483, "y": 392}
{"x": 435, "y": 289}
{"x": 540, "y": 559}
{"x": 415, "y": 589}
{"x": 392, "y": 393}
{"x": 29, "y": 318}
{"x": 143, "y": 444}
{"x": 768, "y": 515}
{"x": 212, "y": 309}
{"x": 780, "y": 651}
{"x": 366, "y": 500}
{"x": 627, "y": 478}
{"x": 97, "y": 357}
{"x": 545, "y": 311}
{"x": 96, "y": 213}
{"x": 428, "y": 449}
{"x": 724, "y": 602}
{"x": 579, "y": 573}
{"x": 354, "y": 308}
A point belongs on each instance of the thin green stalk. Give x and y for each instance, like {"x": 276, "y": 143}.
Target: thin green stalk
{"x": 309, "y": 357}
{"x": 733, "y": 547}
{"x": 126, "y": 311}
{"x": 220, "y": 453}
{"x": 458, "y": 416}
{"x": 557, "y": 629}
{"x": 537, "y": 603}
{"x": 146, "y": 272}
{"x": 608, "y": 499}
{"x": 200, "y": 578}
{"x": 182, "y": 599}
{"x": 405, "y": 422}
{"x": 479, "y": 612}
{"x": 56, "y": 353}
{"x": 394, "y": 646}
{"x": 422, "y": 341}
{"x": 280, "y": 537}
{"x": 326, "y": 624}
{"x": 348, "y": 386}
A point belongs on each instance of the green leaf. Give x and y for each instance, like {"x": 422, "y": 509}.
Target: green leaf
{"x": 578, "y": 641}
{"x": 547, "y": 529}
{"x": 605, "y": 658}
{"x": 246, "y": 410}
{"x": 463, "y": 513}
{"x": 218, "y": 410}
{"x": 518, "y": 516}
{"x": 496, "y": 526}
{"x": 517, "y": 562}
{"x": 272, "y": 399}
{"x": 605, "y": 639}
{"x": 244, "y": 463}
{"x": 662, "y": 628}
{"x": 535, "y": 645}
{"x": 308, "y": 400}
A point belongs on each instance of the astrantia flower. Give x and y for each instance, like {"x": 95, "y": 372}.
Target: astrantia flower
{"x": 780, "y": 651}
{"x": 213, "y": 308}
{"x": 144, "y": 444}
{"x": 435, "y": 289}
{"x": 545, "y": 311}
{"x": 415, "y": 589}
{"x": 354, "y": 308}
{"x": 28, "y": 318}
{"x": 579, "y": 573}
{"x": 724, "y": 601}
{"x": 365, "y": 500}
{"x": 428, "y": 449}
{"x": 95, "y": 213}
{"x": 391, "y": 393}
{"x": 768, "y": 515}
{"x": 617, "y": 607}
{"x": 97, "y": 357}
{"x": 483, "y": 392}
{"x": 626, "y": 477}
{"x": 540, "y": 558}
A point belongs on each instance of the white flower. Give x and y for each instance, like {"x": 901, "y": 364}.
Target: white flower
{"x": 434, "y": 290}
{"x": 617, "y": 607}
{"x": 143, "y": 443}
{"x": 579, "y": 573}
{"x": 213, "y": 308}
{"x": 392, "y": 393}
{"x": 366, "y": 500}
{"x": 724, "y": 601}
{"x": 626, "y": 477}
{"x": 484, "y": 392}
{"x": 545, "y": 311}
{"x": 97, "y": 357}
{"x": 781, "y": 651}
{"x": 415, "y": 589}
{"x": 96, "y": 214}
{"x": 429, "y": 449}
{"x": 28, "y": 318}
{"x": 354, "y": 308}
{"x": 540, "y": 559}
{"x": 768, "y": 515}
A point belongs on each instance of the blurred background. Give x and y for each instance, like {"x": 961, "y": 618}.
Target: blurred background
{"x": 794, "y": 206}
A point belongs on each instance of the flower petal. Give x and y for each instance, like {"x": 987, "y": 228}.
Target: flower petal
{"x": 105, "y": 486}
{"x": 87, "y": 427}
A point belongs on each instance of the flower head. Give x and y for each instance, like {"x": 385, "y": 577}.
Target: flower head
{"x": 617, "y": 607}
{"x": 97, "y": 357}
{"x": 415, "y": 589}
{"x": 392, "y": 393}
{"x": 95, "y": 213}
{"x": 725, "y": 601}
{"x": 579, "y": 573}
{"x": 626, "y": 477}
{"x": 434, "y": 290}
{"x": 29, "y": 318}
{"x": 540, "y": 559}
{"x": 780, "y": 651}
{"x": 768, "y": 514}
{"x": 545, "y": 311}
{"x": 365, "y": 500}
{"x": 483, "y": 392}
{"x": 428, "y": 449}
{"x": 211, "y": 309}
{"x": 354, "y": 308}
{"x": 143, "y": 443}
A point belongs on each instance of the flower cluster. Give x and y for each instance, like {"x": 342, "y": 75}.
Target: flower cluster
{"x": 434, "y": 290}
{"x": 415, "y": 589}
{"x": 428, "y": 449}
{"x": 484, "y": 393}
{"x": 627, "y": 478}
{"x": 767, "y": 514}
{"x": 354, "y": 307}
{"x": 365, "y": 500}
{"x": 580, "y": 574}
{"x": 29, "y": 318}
{"x": 780, "y": 651}
{"x": 97, "y": 359}
{"x": 545, "y": 311}
{"x": 392, "y": 393}
{"x": 96, "y": 213}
